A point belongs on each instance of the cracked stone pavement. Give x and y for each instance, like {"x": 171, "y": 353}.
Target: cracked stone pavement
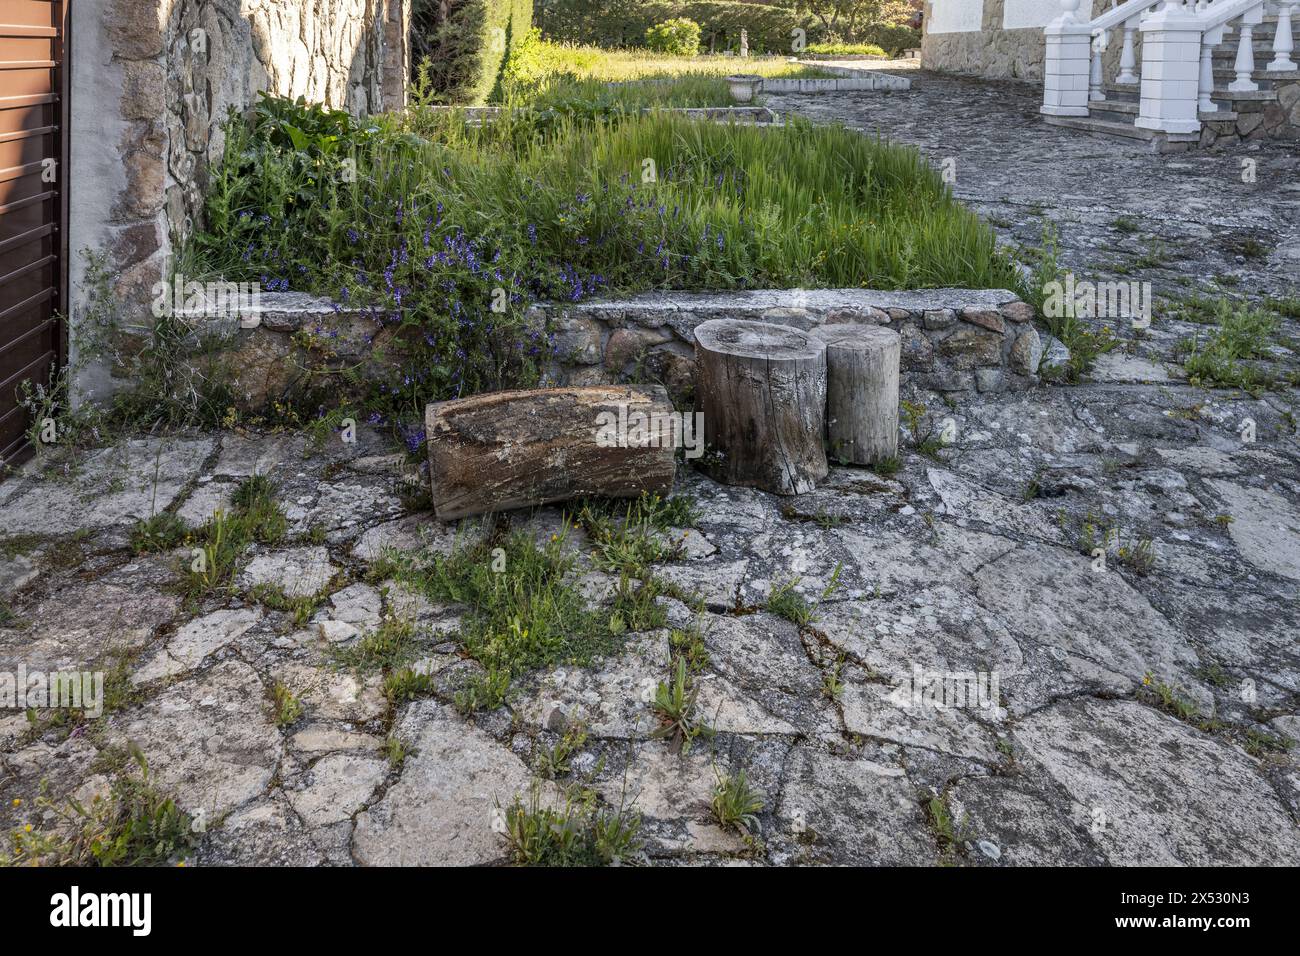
{"x": 950, "y": 565}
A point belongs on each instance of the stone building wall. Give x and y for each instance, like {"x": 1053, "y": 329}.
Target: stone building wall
{"x": 152, "y": 81}
{"x": 1007, "y": 45}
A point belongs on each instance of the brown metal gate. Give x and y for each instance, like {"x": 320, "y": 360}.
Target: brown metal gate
{"x": 33, "y": 204}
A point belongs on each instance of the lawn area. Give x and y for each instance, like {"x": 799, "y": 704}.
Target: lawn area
{"x": 452, "y": 230}
{"x": 540, "y": 59}
{"x": 545, "y": 75}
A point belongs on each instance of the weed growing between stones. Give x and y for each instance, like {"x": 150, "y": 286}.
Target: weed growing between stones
{"x": 134, "y": 824}
{"x": 222, "y": 540}
{"x": 299, "y": 609}
{"x": 629, "y": 537}
{"x": 1084, "y": 341}
{"x": 675, "y": 706}
{"x": 949, "y": 833}
{"x": 521, "y": 611}
{"x": 163, "y": 532}
{"x": 396, "y": 751}
{"x": 1227, "y": 356}
{"x": 285, "y": 706}
{"x": 553, "y": 762}
{"x": 736, "y": 804}
{"x": 575, "y": 833}
{"x": 784, "y": 601}
{"x": 925, "y": 439}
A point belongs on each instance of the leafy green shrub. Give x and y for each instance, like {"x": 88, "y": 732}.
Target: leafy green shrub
{"x": 623, "y": 23}
{"x": 462, "y": 45}
{"x": 892, "y": 38}
{"x": 677, "y": 37}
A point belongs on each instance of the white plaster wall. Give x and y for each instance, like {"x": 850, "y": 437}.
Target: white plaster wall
{"x": 1018, "y": 14}
{"x": 956, "y": 16}
{"x": 95, "y": 176}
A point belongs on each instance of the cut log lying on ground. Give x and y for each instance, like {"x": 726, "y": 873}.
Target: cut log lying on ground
{"x": 861, "y": 392}
{"x": 762, "y": 392}
{"x": 508, "y": 450}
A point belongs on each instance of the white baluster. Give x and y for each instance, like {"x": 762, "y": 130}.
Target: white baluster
{"x": 1245, "y": 64}
{"x": 1127, "y": 58}
{"x": 1283, "y": 41}
{"x": 1209, "y": 41}
{"x": 1095, "y": 92}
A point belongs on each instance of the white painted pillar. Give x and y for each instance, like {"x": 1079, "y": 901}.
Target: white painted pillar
{"x": 1171, "y": 68}
{"x": 1283, "y": 40}
{"x": 1067, "y": 64}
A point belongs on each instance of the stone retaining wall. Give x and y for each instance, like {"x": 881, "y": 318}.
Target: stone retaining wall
{"x": 953, "y": 340}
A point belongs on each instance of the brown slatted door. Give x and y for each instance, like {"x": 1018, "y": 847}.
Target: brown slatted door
{"x": 33, "y": 205}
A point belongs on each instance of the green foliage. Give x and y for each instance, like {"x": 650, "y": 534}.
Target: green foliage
{"x": 286, "y": 706}
{"x": 521, "y": 611}
{"x": 434, "y": 222}
{"x": 461, "y": 46}
{"x": 628, "y": 543}
{"x": 576, "y": 833}
{"x": 676, "y": 37}
{"x": 133, "y": 825}
{"x": 553, "y": 762}
{"x": 1226, "y": 356}
{"x": 736, "y": 804}
{"x": 845, "y": 49}
{"x": 784, "y": 601}
{"x": 223, "y": 538}
{"x": 674, "y": 703}
{"x": 388, "y": 646}
{"x": 162, "y": 532}
{"x": 1084, "y": 340}
{"x": 623, "y": 23}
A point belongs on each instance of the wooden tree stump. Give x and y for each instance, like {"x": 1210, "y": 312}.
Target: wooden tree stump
{"x": 508, "y": 450}
{"x": 861, "y": 392}
{"x": 762, "y": 391}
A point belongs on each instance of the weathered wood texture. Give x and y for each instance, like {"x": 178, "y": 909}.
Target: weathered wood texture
{"x": 861, "y": 392}
{"x": 508, "y": 450}
{"x": 762, "y": 391}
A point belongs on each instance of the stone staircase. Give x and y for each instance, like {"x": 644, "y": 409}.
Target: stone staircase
{"x": 1241, "y": 115}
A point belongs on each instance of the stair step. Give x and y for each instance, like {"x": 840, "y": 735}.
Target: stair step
{"x": 1258, "y": 96}
{"x": 1129, "y": 107}
{"x": 1091, "y": 124}
{"x": 1121, "y": 112}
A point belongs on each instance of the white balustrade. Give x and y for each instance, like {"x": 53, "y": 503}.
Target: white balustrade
{"x": 1179, "y": 38}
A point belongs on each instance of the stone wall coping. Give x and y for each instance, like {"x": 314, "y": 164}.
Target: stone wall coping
{"x": 918, "y": 300}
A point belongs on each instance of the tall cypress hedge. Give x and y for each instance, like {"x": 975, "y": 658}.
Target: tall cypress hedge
{"x": 465, "y": 43}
